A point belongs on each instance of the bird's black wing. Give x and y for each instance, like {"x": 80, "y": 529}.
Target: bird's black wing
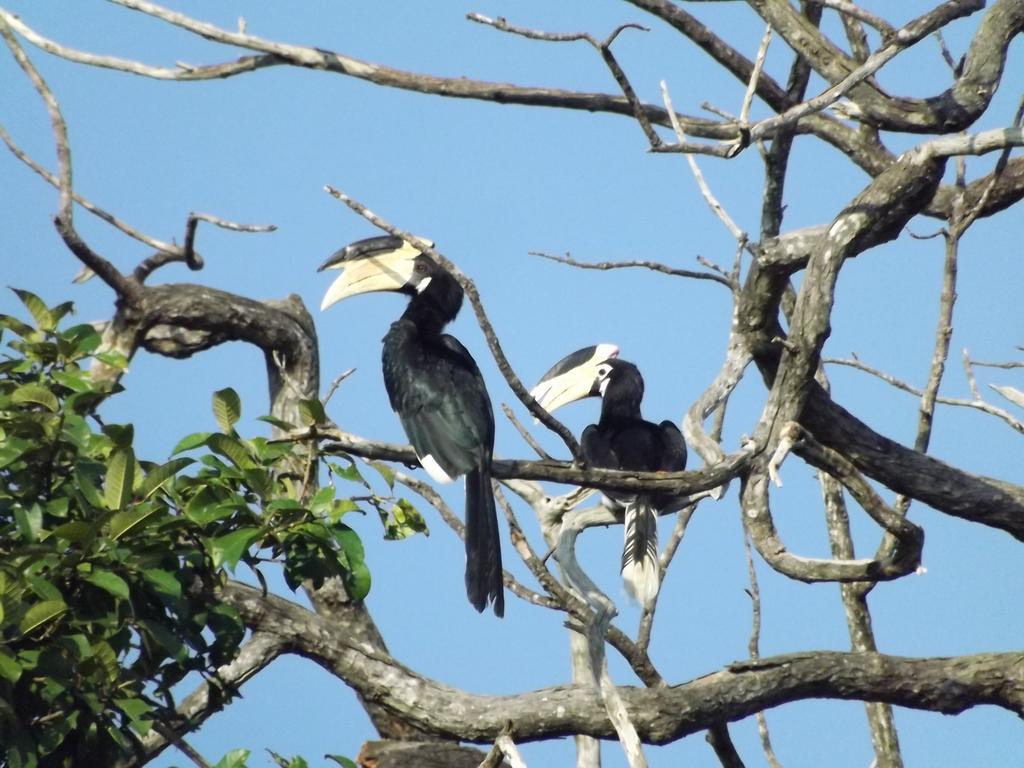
{"x": 673, "y": 457}
{"x": 597, "y": 448}
{"x": 484, "y": 582}
{"x": 442, "y": 402}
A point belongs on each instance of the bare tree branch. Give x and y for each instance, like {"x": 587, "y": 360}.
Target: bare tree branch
{"x": 652, "y": 265}
{"x": 661, "y": 715}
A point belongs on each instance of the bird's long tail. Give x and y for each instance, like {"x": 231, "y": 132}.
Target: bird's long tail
{"x": 483, "y": 545}
{"x": 640, "y": 553}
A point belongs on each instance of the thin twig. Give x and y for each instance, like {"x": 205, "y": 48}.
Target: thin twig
{"x": 753, "y": 648}
{"x": 133, "y": 233}
{"x": 977, "y": 402}
{"x": 946, "y": 55}
{"x": 847, "y": 8}
{"x": 969, "y": 373}
{"x": 182, "y": 746}
{"x": 705, "y": 190}
{"x": 651, "y": 265}
{"x": 530, "y": 441}
{"x": 64, "y": 219}
{"x": 755, "y": 76}
{"x": 335, "y": 384}
{"x": 1010, "y": 365}
{"x": 943, "y": 334}
{"x": 627, "y": 89}
{"x": 60, "y": 128}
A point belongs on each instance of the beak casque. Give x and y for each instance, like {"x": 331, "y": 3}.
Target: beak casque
{"x": 573, "y": 377}
{"x": 374, "y": 264}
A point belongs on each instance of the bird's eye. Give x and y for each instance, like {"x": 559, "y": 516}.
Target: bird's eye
{"x": 603, "y": 371}
{"x": 420, "y": 267}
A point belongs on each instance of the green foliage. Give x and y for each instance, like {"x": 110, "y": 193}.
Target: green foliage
{"x": 402, "y": 520}
{"x": 398, "y": 516}
{"x": 110, "y": 564}
{"x": 237, "y": 758}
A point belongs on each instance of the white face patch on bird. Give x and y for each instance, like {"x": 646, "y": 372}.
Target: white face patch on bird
{"x": 375, "y": 264}
{"x": 575, "y": 377}
{"x": 604, "y": 375}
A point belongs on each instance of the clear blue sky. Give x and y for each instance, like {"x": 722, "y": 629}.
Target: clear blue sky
{"x": 490, "y": 183}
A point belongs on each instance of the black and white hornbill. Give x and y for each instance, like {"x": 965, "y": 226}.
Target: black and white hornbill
{"x": 435, "y": 387}
{"x": 621, "y": 439}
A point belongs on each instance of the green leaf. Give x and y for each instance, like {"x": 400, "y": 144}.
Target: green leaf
{"x": 165, "y": 638}
{"x": 157, "y": 476}
{"x": 259, "y": 480}
{"x": 85, "y": 338}
{"x": 37, "y": 394}
{"x": 29, "y": 521}
{"x": 403, "y": 521}
{"x": 312, "y": 412}
{"x": 189, "y": 442}
{"x": 111, "y": 582}
{"x": 385, "y": 471}
{"x": 135, "y": 708}
{"x": 283, "y": 505}
{"x": 88, "y": 489}
{"x": 113, "y": 359}
{"x": 61, "y": 311}
{"x": 234, "y": 759}
{"x": 10, "y": 669}
{"x": 76, "y": 531}
{"x": 227, "y": 408}
{"x": 128, "y": 520}
{"x": 350, "y": 473}
{"x": 117, "y": 491}
{"x": 228, "y": 549}
{"x": 339, "y": 508}
{"x": 21, "y": 328}
{"x": 344, "y": 762}
{"x": 349, "y": 541}
{"x": 105, "y": 660}
{"x": 164, "y": 582}
{"x": 232, "y": 449}
{"x": 358, "y": 581}
{"x": 44, "y": 589}
{"x": 121, "y": 435}
{"x": 323, "y": 501}
{"x": 74, "y": 379}
{"x": 40, "y": 313}
{"x": 276, "y": 422}
{"x": 84, "y": 402}
{"x": 40, "y": 614}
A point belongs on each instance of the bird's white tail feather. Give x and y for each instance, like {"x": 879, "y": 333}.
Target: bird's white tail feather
{"x": 640, "y": 553}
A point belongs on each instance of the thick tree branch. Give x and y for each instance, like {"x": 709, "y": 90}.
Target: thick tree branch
{"x": 953, "y": 110}
{"x": 661, "y": 715}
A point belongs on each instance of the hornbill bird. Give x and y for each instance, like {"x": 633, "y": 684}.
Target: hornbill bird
{"x": 621, "y": 439}
{"x": 435, "y": 387}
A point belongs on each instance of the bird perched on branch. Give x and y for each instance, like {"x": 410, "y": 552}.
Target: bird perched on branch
{"x": 621, "y": 439}
{"x": 435, "y": 387}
